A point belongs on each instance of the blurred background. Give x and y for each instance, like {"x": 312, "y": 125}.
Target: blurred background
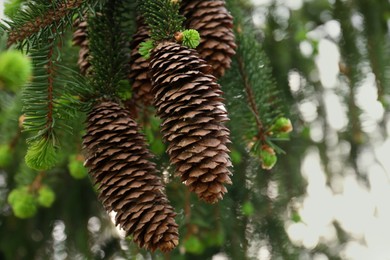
{"x": 327, "y": 197}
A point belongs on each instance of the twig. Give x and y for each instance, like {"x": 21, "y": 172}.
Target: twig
{"x": 52, "y": 16}
{"x": 251, "y": 98}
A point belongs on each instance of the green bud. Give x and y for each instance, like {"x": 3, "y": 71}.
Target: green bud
{"x": 23, "y": 203}
{"x": 268, "y": 158}
{"x": 25, "y": 208}
{"x": 191, "y": 38}
{"x": 15, "y": 69}
{"x": 215, "y": 238}
{"x": 41, "y": 155}
{"x": 76, "y": 167}
{"x": 14, "y": 195}
{"x": 248, "y": 209}
{"x": 296, "y": 217}
{"x": 5, "y": 155}
{"x": 282, "y": 125}
{"x": 124, "y": 90}
{"x": 145, "y": 49}
{"x": 155, "y": 123}
{"x": 46, "y": 196}
{"x": 12, "y": 7}
{"x": 193, "y": 245}
{"x": 236, "y": 157}
{"x": 157, "y": 147}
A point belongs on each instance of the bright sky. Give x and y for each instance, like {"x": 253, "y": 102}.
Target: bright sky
{"x": 1, "y": 8}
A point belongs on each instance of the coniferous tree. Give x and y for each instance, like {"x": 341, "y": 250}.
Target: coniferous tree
{"x": 166, "y": 105}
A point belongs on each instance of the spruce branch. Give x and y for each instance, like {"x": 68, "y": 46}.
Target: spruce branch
{"x": 261, "y": 94}
{"x": 145, "y": 49}
{"x": 109, "y": 39}
{"x": 38, "y": 18}
{"x": 255, "y": 100}
{"x": 377, "y": 44}
{"x": 250, "y": 96}
{"x": 48, "y": 104}
{"x": 39, "y": 111}
{"x": 162, "y": 17}
{"x": 38, "y": 96}
{"x": 50, "y": 82}
{"x": 42, "y": 153}
{"x": 352, "y": 68}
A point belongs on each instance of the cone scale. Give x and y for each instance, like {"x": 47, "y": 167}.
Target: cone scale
{"x": 80, "y": 38}
{"x": 189, "y": 102}
{"x": 215, "y": 25}
{"x": 118, "y": 162}
{"x": 138, "y": 76}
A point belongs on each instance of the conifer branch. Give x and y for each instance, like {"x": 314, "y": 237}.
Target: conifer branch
{"x": 109, "y": 39}
{"x": 262, "y": 97}
{"x": 37, "y": 19}
{"x": 37, "y": 182}
{"x": 38, "y": 96}
{"x": 251, "y": 97}
{"x": 350, "y": 52}
{"x": 47, "y": 104}
{"x": 255, "y": 99}
{"x": 162, "y": 17}
{"x": 50, "y": 81}
{"x": 378, "y": 47}
{"x": 15, "y": 139}
{"x": 256, "y": 102}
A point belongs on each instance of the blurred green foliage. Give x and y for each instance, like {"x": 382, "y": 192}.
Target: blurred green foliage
{"x": 254, "y": 213}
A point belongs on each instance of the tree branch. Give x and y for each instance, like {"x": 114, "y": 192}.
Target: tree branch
{"x": 251, "y": 97}
{"x": 52, "y": 16}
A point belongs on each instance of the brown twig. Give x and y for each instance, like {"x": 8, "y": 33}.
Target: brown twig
{"x": 15, "y": 139}
{"x": 37, "y": 182}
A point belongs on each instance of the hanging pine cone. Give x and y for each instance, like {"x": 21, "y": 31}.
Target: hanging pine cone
{"x": 139, "y": 66}
{"x": 214, "y": 23}
{"x": 189, "y": 101}
{"x": 80, "y": 38}
{"x": 118, "y": 162}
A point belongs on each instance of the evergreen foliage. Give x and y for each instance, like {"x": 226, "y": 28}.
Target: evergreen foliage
{"x": 15, "y": 70}
{"x": 191, "y": 38}
{"x": 145, "y": 49}
{"x": 267, "y": 74}
{"x": 163, "y": 18}
{"x": 254, "y": 97}
{"x": 40, "y": 20}
{"x": 110, "y": 34}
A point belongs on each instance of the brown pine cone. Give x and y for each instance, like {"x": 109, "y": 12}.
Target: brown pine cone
{"x": 118, "y": 161}
{"x": 215, "y": 25}
{"x": 139, "y": 66}
{"x": 189, "y": 101}
{"x": 80, "y": 38}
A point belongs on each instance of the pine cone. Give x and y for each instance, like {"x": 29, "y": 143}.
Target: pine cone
{"x": 139, "y": 66}
{"x": 118, "y": 162}
{"x": 214, "y": 23}
{"x": 80, "y": 38}
{"x": 189, "y": 101}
